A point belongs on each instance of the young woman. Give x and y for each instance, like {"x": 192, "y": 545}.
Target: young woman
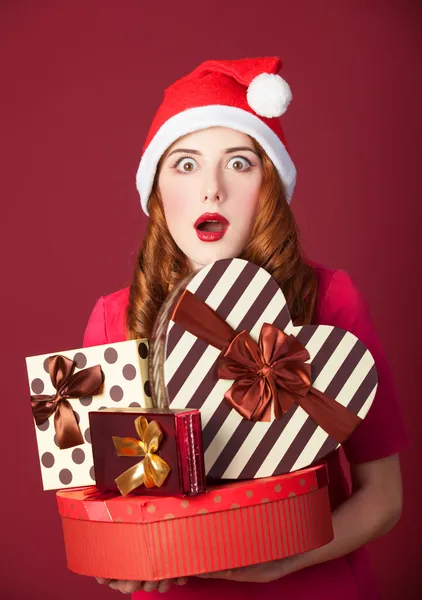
{"x": 216, "y": 150}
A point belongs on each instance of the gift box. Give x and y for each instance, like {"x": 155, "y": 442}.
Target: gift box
{"x": 274, "y": 398}
{"x": 232, "y": 525}
{"x": 65, "y": 386}
{"x": 148, "y": 451}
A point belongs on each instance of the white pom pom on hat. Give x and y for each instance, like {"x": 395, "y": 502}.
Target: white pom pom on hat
{"x": 269, "y": 95}
{"x": 245, "y": 94}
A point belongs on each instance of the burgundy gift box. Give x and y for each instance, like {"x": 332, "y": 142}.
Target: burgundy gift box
{"x": 180, "y": 448}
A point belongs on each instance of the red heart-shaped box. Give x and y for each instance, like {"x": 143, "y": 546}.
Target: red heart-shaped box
{"x": 232, "y": 525}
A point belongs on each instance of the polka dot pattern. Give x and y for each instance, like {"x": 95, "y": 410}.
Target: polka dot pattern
{"x": 143, "y": 350}
{"x": 47, "y": 460}
{"x": 116, "y": 393}
{"x": 222, "y": 498}
{"x": 80, "y": 360}
{"x": 37, "y": 386}
{"x": 111, "y": 356}
{"x": 44, "y": 426}
{"x": 86, "y": 401}
{"x": 78, "y": 456}
{"x": 129, "y": 372}
{"x": 147, "y": 388}
{"x": 65, "y": 476}
{"x": 125, "y": 375}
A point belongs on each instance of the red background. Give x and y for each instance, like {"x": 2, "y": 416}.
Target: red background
{"x": 80, "y": 82}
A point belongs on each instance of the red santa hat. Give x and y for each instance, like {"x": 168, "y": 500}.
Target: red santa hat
{"x": 246, "y": 94}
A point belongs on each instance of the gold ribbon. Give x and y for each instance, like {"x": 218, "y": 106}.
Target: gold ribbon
{"x": 68, "y": 385}
{"x": 152, "y": 470}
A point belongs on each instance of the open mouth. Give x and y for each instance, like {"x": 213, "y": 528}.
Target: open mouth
{"x": 211, "y": 227}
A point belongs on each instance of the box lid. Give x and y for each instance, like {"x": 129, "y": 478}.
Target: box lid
{"x": 89, "y": 504}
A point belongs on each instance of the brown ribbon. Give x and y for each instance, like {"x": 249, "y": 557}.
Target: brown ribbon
{"x": 272, "y": 372}
{"x": 68, "y": 385}
{"x": 152, "y": 470}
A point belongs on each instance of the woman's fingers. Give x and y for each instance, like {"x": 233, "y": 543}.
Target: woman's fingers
{"x": 164, "y": 585}
{"x": 102, "y": 580}
{"x": 151, "y": 586}
{"x": 129, "y": 587}
{"x": 125, "y": 587}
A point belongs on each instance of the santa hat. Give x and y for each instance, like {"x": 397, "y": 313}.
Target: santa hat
{"x": 245, "y": 94}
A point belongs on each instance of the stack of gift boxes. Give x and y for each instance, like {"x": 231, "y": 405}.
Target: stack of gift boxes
{"x": 202, "y": 449}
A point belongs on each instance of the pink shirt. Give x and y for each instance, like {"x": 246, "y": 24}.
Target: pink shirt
{"x": 381, "y": 434}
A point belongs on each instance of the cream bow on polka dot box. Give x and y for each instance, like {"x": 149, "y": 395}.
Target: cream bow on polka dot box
{"x": 65, "y": 387}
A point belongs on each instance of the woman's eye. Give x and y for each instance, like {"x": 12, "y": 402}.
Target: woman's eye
{"x": 240, "y": 163}
{"x": 185, "y": 165}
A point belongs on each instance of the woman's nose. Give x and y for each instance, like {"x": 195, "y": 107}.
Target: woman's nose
{"x": 213, "y": 192}
{"x": 212, "y": 198}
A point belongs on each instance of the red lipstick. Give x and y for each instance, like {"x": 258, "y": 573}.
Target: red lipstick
{"x": 211, "y": 227}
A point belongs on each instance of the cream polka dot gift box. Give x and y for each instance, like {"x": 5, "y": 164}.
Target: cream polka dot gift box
{"x": 65, "y": 387}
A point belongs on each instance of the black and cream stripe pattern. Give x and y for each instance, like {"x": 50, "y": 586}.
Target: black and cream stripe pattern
{"x": 183, "y": 371}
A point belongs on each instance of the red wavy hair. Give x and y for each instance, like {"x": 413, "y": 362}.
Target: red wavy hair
{"x": 273, "y": 245}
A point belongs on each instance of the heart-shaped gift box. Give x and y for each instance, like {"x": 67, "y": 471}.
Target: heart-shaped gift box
{"x": 273, "y": 397}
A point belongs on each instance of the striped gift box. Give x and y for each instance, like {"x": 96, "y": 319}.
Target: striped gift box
{"x": 232, "y": 525}
{"x": 183, "y": 370}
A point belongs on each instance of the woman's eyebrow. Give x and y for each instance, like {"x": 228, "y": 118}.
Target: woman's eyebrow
{"x": 226, "y": 151}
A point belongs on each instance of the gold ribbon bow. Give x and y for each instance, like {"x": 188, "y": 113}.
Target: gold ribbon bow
{"x": 68, "y": 385}
{"x": 152, "y": 470}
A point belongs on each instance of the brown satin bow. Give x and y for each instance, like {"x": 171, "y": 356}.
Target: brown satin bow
{"x": 68, "y": 385}
{"x": 272, "y": 372}
{"x": 152, "y": 470}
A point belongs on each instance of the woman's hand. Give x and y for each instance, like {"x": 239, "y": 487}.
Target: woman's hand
{"x": 129, "y": 587}
{"x": 261, "y": 573}
{"x": 372, "y": 510}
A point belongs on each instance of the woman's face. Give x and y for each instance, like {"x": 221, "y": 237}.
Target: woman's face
{"x": 210, "y": 175}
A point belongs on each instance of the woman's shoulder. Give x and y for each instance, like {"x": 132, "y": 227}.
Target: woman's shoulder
{"x": 106, "y": 323}
{"x": 117, "y": 300}
{"x": 340, "y": 302}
